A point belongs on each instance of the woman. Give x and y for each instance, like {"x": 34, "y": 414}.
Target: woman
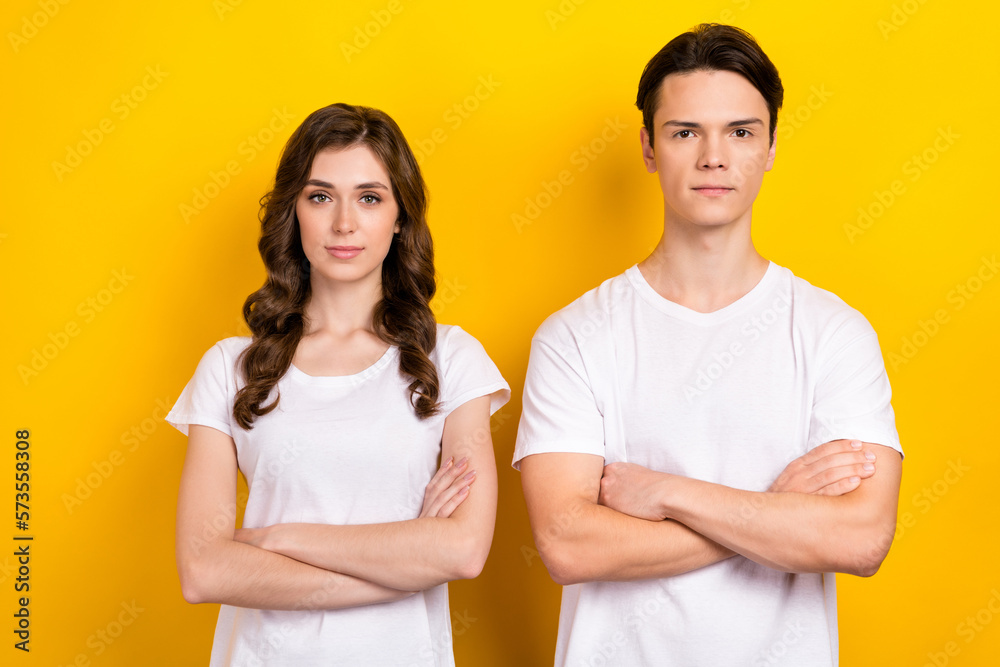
{"x": 337, "y": 410}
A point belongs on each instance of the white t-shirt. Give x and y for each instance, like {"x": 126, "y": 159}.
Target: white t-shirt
{"x": 730, "y": 397}
{"x": 339, "y": 450}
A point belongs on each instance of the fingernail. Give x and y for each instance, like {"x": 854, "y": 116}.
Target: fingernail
{"x": 869, "y": 456}
{"x": 450, "y": 460}
{"x": 856, "y": 444}
{"x": 855, "y": 480}
{"x": 869, "y": 467}
{"x": 471, "y": 475}
{"x": 462, "y": 461}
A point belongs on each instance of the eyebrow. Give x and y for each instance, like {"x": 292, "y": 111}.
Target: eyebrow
{"x": 373, "y": 185}
{"x": 698, "y": 126}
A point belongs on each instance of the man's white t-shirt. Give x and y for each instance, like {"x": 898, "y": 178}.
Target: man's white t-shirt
{"x": 730, "y": 397}
{"x": 339, "y": 450}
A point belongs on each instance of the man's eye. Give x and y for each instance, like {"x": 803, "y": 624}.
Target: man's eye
{"x": 683, "y": 134}
{"x": 741, "y": 133}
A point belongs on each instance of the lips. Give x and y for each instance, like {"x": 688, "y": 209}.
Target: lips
{"x": 712, "y": 190}
{"x": 344, "y": 251}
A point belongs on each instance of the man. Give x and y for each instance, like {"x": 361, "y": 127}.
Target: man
{"x": 706, "y": 438}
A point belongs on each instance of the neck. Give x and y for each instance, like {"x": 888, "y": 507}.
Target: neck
{"x": 704, "y": 268}
{"x": 341, "y": 309}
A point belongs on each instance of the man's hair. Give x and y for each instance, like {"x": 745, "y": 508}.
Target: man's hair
{"x": 707, "y": 47}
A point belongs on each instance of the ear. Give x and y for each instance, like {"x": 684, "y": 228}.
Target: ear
{"x": 770, "y": 152}
{"x": 397, "y": 228}
{"x": 647, "y": 151}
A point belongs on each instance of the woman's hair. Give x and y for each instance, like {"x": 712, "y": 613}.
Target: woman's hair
{"x": 707, "y": 47}
{"x": 276, "y": 312}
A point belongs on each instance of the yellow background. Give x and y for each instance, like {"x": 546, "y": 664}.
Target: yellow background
{"x": 869, "y": 85}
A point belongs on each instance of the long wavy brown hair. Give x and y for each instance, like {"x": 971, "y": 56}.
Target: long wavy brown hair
{"x": 276, "y": 312}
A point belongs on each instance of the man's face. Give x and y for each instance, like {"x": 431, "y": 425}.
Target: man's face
{"x": 710, "y": 148}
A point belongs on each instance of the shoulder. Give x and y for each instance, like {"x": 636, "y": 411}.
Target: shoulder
{"x": 585, "y": 315}
{"x": 220, "y": 359}
{"x": 829, "y": 316}
{"x": 228, "y": 349}
{"x": 451, "y": 337}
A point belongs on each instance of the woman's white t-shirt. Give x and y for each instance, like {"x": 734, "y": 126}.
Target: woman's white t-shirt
{"x": 339, "y": 450}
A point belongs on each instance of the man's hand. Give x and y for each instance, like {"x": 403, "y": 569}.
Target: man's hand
{"x": 632, "y": 489}
{"x": 832, "y": 469}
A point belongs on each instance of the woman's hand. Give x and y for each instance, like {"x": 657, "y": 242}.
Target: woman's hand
{"x": 447, "y": 489}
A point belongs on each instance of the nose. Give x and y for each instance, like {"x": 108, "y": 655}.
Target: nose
{"x": 344, "y": 221}
{"x": 714, "y": 154}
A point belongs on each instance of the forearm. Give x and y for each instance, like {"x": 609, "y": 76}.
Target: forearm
{"x": 243, "y": 575}
{"x": 410, "y": 555}
{"x": 792, "y": 532}
{"x": 590, "y": 542}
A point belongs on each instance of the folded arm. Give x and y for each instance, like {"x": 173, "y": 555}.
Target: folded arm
{"x": 419, "y": 553}
{"x": 215, "y": 568}
{"x": 795, "y": 532}
{"x": 606, "y": 523}
{"x": 849, "y": 530}
{"x": 580, "y": 540}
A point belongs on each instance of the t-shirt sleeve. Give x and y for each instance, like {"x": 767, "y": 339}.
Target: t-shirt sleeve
{"x": 559, "y": 411}
{"x": 466, "y": 372}
{"x": 208, "y": 397}
{"x": 852, "y": 395}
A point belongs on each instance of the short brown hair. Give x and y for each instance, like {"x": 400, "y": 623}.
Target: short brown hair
{"x": 707, "y": 47}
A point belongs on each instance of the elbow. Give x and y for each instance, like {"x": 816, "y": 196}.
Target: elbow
{"x": 194, "y": 572}
{"x": 471, "y": 560}
{"x": 192, "y": 587}
{"x": 562, "y": 563}
{"x": 868, "y": 552}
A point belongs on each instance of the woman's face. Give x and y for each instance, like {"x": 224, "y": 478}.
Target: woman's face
{"x": 347, "y": 217}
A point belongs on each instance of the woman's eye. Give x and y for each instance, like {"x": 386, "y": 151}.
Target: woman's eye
{"x": 370, "y": 199}
{"x": 319, "y": 197}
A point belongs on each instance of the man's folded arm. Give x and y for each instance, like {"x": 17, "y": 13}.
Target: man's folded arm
{"x": 580, "y": 540}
